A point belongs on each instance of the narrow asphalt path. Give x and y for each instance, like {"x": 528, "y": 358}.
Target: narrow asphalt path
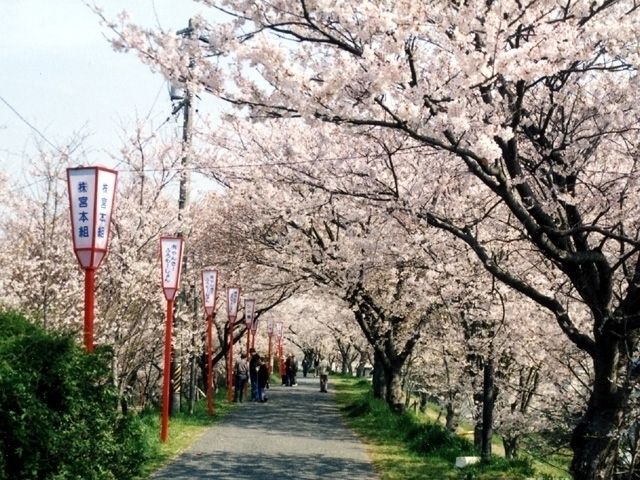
{"x": 298, "y": 434}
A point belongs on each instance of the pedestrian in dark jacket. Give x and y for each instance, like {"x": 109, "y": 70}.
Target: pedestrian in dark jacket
{"x": 263, "y": 381}
{"x": 293, "y": 370}
{"x": 254, "y": 363}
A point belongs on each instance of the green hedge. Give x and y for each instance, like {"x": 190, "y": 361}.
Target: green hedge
{"x": 59, "y": 416}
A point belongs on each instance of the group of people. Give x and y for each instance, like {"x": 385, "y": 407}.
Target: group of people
{"x": 256, "y": 372}
{"x": 290, "y": 371}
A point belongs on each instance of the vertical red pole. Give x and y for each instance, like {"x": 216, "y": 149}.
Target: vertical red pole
{"x": 210, "y": 404}
{"x": 89, "y": 306}
{"x": 230, "y": 367}
{"x": 269, "y": 354}
{"x": 248, "y": 340}
{"x": 281, "y": 357}
{"x": 253, "y": 340}
{"x": 166, "y": 373}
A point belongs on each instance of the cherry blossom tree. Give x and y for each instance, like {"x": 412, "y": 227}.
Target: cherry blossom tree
{"x": 39, "y": 270}
{"x": 530, "y": 105}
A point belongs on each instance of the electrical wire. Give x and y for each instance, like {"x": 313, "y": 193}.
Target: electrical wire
{"x": 32, "y": 127}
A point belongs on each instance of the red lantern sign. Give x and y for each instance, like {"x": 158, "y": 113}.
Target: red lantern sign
{"x": 171, "y": 260}
{"x": 209, "y": 289}
{"x": 91, "y": 194}
{"x": 249, "y": 311}
{"x": 269, "y": 327}
{"x": 279, "y": 330}
{"x": 171, "y": 264}
{"x": 233, "y": 299}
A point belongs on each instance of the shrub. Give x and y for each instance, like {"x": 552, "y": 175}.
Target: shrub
{"x": 59, "y": 415}
{"x": 501, "y": 469}
{"x": 432, "y": 438}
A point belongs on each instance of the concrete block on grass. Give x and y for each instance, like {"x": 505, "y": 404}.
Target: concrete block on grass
{"x": 462, "y": 462}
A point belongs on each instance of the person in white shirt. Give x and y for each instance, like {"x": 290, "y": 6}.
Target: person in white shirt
{"x": 323, "y": 372}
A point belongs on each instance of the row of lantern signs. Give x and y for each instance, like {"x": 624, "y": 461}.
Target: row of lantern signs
{"x": 91, "y": 198}
{"x": 171, "y": 249}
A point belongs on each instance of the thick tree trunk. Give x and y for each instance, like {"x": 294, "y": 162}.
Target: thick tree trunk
{"x": 423, "y": 400}
{"x": 488, "y": 403}
{"x": 477, "y": 435}
{"x": 452, "y": 417}
{"x": 594, "y": 440}
{"x": 395, "y": 393}
{"x": 345, "y": 366}
{"x": 510, "y": 447}
{"x": 379, "y": 384}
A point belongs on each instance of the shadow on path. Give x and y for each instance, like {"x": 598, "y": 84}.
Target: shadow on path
{"x": 297, "y": 434}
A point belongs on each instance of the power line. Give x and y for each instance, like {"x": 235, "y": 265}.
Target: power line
{"x": 271, "y": 164}
{"x": 32, "y": 127}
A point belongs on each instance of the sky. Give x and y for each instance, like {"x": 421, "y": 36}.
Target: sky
{"x": 59, "y": 76}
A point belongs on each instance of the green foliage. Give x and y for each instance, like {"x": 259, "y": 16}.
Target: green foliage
{"x": 421, "y": 437}
{"x": 500, "y": 468}
{"x": 433, "y": 438}
{"x": 59, "y": 415}
{"x": 407, "y": 447}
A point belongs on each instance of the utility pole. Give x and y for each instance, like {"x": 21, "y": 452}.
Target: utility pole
{"x": 183, "y": 202}
{"x": 185, "y": 175}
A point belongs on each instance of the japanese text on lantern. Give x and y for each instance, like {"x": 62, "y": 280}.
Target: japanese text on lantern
{"x": 209, "y": 279}
{"x": 233, "y": 295}
{"x": 170, "y": 264}
{"x": 249, "y": 308}
{"x": 91, "y": 194}
{"x": 82, "y": 208}
{"x": 171, "y": 250}
{"x": 103, "y": 214}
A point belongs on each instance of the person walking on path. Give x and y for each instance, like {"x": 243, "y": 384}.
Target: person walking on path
{"x": 299, "y": 434}
{"x": 305, "y": 366}
{"x": 323, "y": 372}
{"x": 287, "y": 371}
{"x": 293, "y": 371}
{"x": 241, "y": 374}
{"x": 263, "y": 380}
{"x": 254, "y": 363}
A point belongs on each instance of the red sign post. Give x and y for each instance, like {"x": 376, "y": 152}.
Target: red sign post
{"x": 91, "y": 194}
{"x": 171, "y": 264}
{"x": 279, "y": 352}
{"x": 249, "y": 310}
{"x": 270, "y": 334}
{"x": 233, "y": 299}
{"x": 254, "y": 329}
{"x": 209, "y": 290}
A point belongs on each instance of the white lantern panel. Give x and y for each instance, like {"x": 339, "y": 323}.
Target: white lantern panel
{"x": 233, "y": 298}
{"x": 171, "y": 259}
{"x": 209, "y": 287}
{"x": 106, "y": 185}
{"x": 82, "y": 196}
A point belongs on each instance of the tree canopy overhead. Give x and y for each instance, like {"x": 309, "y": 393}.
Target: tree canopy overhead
{"x": 511, "y": 126}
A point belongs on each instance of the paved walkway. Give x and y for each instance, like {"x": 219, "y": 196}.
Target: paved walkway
{"x": 298, "y": 434}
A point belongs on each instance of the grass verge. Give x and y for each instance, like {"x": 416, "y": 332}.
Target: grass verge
{"x": 407, "y": 447}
